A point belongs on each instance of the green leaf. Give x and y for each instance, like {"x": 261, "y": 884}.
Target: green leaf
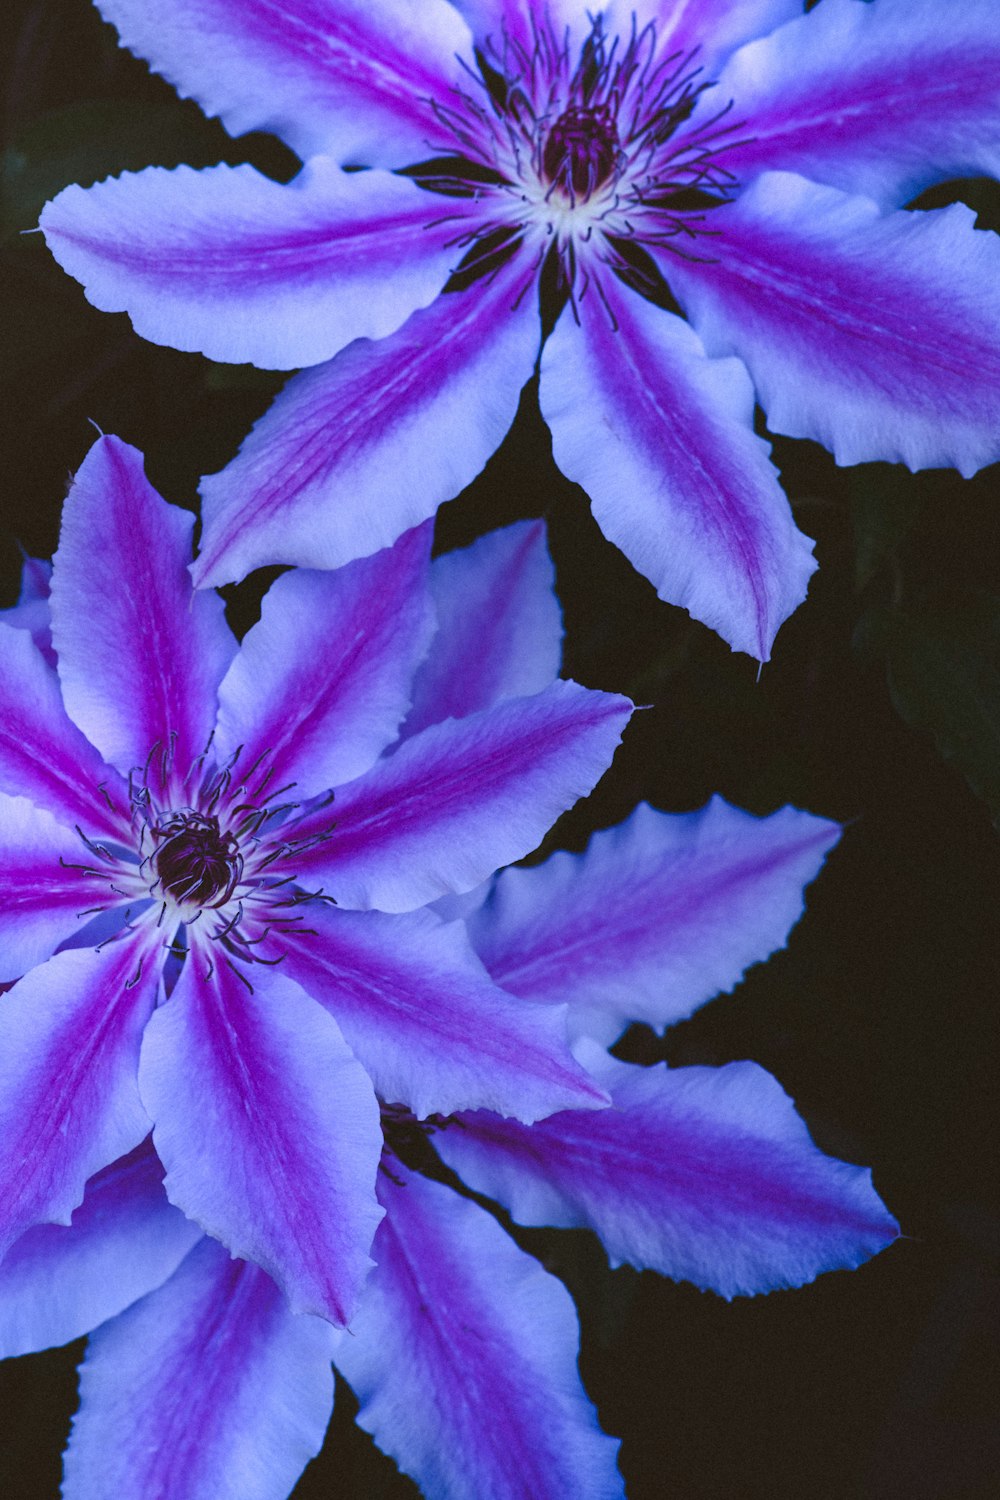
{"x": 885, "y": 502}
{"x": 944, "y": 677}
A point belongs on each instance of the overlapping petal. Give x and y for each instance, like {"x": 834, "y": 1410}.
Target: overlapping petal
{"x": 43, "y": 756}
{"x": 499, "y": 21}
{"x": 268, "y": 1129}
{"x": 337, "y": 76}
{"x": 659, "y": 915}
{"x": 58, "y": 1282}
{"x": 140, "y": 660}
{"x": 704, "y": 1174}
{"x": 662, "y": 440}
{"x": 69, "y": 1051}
{"x": 882, "y": 99}
{"x": 433, "y": 1033}
{"x": 707, "y": 31}
{"x": 499, "y": 626}
{"x": 31, "y": 612}
{"x": 877, "y": 335}
{"x": 323, "y": 681}
{"x": 208, "y": 1389}
{"x": 463, "y": 1357}
{"x": 353, "y": 453}
{"x": 42, "y": 899}
{"x": 464, "y": 797}
{"x": 230, "y": 264}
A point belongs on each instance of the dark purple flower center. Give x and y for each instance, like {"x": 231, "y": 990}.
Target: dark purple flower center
{"x": 581, "y": 150}
{"x": 196, "y": 864}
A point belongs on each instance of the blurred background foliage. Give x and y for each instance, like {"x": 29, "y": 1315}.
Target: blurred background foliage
{"x": 881, "y": 708}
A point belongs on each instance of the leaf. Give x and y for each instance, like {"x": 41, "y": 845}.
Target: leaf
{"x": 885, "y": 503}
{"x": 944, "y": 677}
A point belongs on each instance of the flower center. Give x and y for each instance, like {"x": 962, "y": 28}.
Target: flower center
{"x": 580, "y": 152}
{"x": 195, "y": 863}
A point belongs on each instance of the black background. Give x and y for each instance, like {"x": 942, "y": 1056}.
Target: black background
{"x": 879, "y": 1018}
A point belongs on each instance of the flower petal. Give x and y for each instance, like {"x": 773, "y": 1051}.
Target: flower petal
{"x": 208, "y": 1389}
{"x": 318, "y": 481}
{"x": 876, "y": 335}
{"x": 124, "y": 1240}
{"x": 657, "y": 916}
{"x": 356, "y": 80}
{"x": 464, "y": 797}
{"x": 140, "y": 658}
{"x": 31, "y": 612}
{"x": 499, "y": 626}
{"x": 69, "y": 1049}
{"x": 324, "y": 679}
{"x": 662, "y": 440}
{"x": 463, "y": 1358}
{"x": 268, "y": 1129}
{"x": 420, "y": 1013}
{"x": 518, "y": 21}
{"x": 227, "y": 263}
{"x": 703, "y": 1174}
{"x": 43, "y": 755}
{"x": 43, "y": 900}
{"x": 881, "y": 99}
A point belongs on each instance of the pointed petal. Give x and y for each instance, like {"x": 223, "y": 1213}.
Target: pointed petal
{"x": 703, "y": 1174}
{"x": 464, "y": 797}
{"x": 43, "y": 901}
{"x": 227, "y": 263}
{"x": 317, "y": 482}
{"x": 662, "y": 440}
{"x": 43, "y": 755}
{"x": 125, "y": 1239}
{"x": 659, "y": 915}
{"x": 876, "y": 335}
{"x": 31, "y": 612}
{"x": 356, "y": 80}
{"x": 711, "y": 29}
{"x": 463, "y": 1358}
{"x": 882, "y": 99}
{"x": 208, "y": 1389}
{"x": 324, "y": 679}
{"x": 140, "y": 658}
{"x": 419, "y": 1012}
{"x": 268, "y": 1129}
{"x": 69, "y": 1049}
{"x": 499, "y": 626}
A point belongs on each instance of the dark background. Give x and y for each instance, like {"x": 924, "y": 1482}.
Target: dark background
{"x": 881, "y": 708}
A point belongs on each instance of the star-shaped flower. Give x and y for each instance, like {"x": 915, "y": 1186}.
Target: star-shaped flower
{"x": 733, "y": 160}
{"x": 258, "y": 958}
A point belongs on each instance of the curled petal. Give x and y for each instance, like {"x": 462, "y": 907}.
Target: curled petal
{"x": 227, "y": 263}
{"x": 209, "y": 1389}
{"x": 657, "y": 916}
{"x": 140, "y": 657}
{"x": 432, "y": 1031}
{"x": 499, "y": 626}
{"x": 322, "y": 682}
{"x": 317, "y": 482}
{"x": 463, "y": 1357}
{"x": 876, "y": 335}
{"x": 69, "y": 1052}
{"x": 268, "y": 1129}
{"x": 352, "y": 79}
{"x": 58, "y": 1282}
{"x": 662, "y": 440}
{"x": 464, "y": 797}
{"x": 703, "y": 1174}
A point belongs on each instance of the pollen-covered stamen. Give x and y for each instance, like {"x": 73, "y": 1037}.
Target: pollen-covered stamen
{"x": 580, "y": 152}
{"x": 195, "y": 863}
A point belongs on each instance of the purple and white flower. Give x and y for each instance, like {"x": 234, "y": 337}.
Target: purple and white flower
{"x": 210, "y": 939}
{"x": 732, "y": 159}
{"x": 462, "y": 1350}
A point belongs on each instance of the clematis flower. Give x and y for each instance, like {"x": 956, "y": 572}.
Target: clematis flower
{"x": 213, "y": 941}
{"x": 731, "y": 160}
{"x": 462, "y": 1350}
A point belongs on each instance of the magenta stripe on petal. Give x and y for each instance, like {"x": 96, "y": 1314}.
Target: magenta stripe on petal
{"x": 357, "y": 451}
{"x": 710, "y": 29}
{"x": 69, "y": 1052}
{"x": 208, "y": 1389}
{"x": 268, "y": 1128}
{"x": 463, "y": 1357}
